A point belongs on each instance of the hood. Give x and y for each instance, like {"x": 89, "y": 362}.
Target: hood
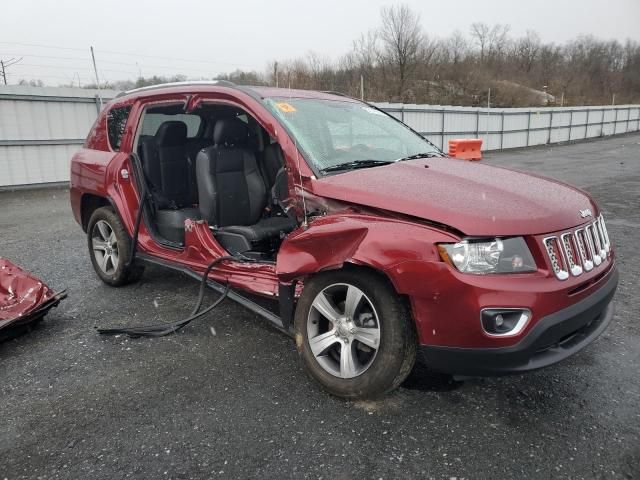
{"x": 474, "y": 198}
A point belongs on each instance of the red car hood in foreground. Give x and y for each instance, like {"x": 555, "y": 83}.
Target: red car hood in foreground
{"x": 23, "y": 297}
{"x": 473, "y": 198}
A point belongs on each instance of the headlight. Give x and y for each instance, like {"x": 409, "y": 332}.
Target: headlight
{"x": 508, "y": 255}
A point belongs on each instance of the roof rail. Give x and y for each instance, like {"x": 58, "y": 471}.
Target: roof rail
{"x": 340, "y": 94}
{"x": 219, "y": 83}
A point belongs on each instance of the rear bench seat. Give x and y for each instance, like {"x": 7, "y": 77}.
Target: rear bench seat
{"x": 167, "y": 169}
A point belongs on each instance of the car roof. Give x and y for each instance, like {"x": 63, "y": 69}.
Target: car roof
{"x": 216, "y": 85}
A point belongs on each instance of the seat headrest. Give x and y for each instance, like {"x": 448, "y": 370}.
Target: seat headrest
{"x": 230, "y": 131}
{"x": 172, "y": 133}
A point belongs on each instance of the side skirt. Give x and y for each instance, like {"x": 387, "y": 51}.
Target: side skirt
{"x": 233, "y": 295}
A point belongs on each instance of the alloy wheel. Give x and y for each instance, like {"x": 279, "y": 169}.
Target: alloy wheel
{"x": 105, "y": 247}
{"x": 343, "y": 329}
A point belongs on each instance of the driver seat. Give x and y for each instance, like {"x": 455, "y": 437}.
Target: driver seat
{"x": 232, "y": 193}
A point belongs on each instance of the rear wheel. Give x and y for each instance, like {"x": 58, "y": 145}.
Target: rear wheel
{"x": 354, "y": 333}
{"x": 109, "y": 248}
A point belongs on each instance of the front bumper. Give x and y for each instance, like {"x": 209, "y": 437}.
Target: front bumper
{"x": 553, "y": 338}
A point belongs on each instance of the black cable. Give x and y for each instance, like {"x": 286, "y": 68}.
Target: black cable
{"x": 172, "y": 327}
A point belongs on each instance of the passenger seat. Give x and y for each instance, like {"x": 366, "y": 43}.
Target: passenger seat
{"x": 232, "y": 192}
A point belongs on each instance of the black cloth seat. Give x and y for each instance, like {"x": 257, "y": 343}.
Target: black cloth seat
{"x": 232, "y": 192}
{"x": 166, "y": 166}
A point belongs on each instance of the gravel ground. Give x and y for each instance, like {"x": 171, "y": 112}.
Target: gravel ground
{"x": 237, "y": 404}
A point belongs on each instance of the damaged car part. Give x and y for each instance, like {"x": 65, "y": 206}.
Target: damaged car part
{"x": 24, "y": 298}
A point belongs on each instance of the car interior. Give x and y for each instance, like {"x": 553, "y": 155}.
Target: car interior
{"x": 217, "y": 164}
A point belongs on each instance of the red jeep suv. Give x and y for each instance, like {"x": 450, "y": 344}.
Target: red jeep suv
{"x": 375, "y": 244}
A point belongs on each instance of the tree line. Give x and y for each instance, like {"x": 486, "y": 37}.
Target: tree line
{"x": 399, "y": 62}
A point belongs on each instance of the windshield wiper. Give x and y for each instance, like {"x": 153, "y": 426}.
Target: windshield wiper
{"x": 355, "y": 165}
{"x": 421, "y": 155}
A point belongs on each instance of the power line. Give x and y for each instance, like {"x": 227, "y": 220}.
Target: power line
{"x": 71, "y": 67}
{"x": 128, "y": 54}
{"x": 139, "y": 64}
{"x": 42, "y": 46}
{"x": 64, "y": 77}
{"x": 71, "y": 64}
{"x": 4, "y": 64}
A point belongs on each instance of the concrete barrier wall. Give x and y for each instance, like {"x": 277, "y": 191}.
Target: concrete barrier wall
{"x": 41, "y": 127}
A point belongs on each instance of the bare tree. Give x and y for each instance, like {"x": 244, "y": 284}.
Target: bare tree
{"x": 526, "y": 50}
{"x": 456, "y": 47}
{"x": 490, "y": 40}
{"x": 402, "y": 38}
{"x": 480, "y": 35}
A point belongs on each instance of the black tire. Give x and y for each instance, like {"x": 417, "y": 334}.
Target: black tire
{"x": 397, "y": 345}
{"x": 115, "y": 273}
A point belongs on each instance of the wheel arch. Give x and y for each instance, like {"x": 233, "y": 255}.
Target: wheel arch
{"x": 90, "y": 202}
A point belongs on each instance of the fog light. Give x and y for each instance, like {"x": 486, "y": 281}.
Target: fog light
{"x": 504, "y": 321}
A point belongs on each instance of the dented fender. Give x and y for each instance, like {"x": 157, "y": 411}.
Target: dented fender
{"x": 381, "y": 243}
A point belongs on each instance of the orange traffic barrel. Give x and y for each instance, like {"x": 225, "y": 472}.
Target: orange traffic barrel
{"x": 466, "y": 148}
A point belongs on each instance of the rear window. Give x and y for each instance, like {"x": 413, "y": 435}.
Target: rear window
{"x": 116, "y": 121}
{"x": 152, "y": 122}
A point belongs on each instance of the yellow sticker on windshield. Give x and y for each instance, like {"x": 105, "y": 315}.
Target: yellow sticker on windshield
{"x": 285, "y": 107}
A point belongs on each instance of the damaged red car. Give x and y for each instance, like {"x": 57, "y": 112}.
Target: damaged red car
{"x": 374, "y": 245}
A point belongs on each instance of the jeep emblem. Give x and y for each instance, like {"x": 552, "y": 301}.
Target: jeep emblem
{"x": 585, "y": 213}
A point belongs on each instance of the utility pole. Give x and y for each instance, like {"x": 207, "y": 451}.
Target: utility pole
{"x": 95, "y": 70}
{"x": 361, "y": 88}
{"x": 7, "y": 63}
{"x": 488, "y": 108}
{"x": 275, "y": 72}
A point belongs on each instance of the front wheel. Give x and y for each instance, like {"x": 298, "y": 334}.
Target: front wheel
{"x": 109, "y": 248}
{"x": 354, "y": 333}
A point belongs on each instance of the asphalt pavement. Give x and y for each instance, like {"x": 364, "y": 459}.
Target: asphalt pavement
{"x": 228, "y": 398}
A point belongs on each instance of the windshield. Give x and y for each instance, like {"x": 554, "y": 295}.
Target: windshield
{"x": 333, "y": 132}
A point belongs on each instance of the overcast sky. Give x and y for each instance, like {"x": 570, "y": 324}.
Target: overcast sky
{"x": 203, "y": 38}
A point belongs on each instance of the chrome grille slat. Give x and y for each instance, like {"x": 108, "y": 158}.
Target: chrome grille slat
{"x": 572, "y": 264}
{"x": 604, "y": 248}
{"x": 587, "y": 263}
{"x": 579, "y": 250}
{"x": 605, "y": 234}
{"x": 597, "y": 240}
{"x": 558, "y": 264}
{"x": 592, "y": 247}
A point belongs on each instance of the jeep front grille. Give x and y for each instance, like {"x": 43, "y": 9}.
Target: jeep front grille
{"x": 579, "y": 250}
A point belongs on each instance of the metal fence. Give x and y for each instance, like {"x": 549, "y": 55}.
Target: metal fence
{"x": 40, "y": 128}
{"x": 501, "y": 128}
